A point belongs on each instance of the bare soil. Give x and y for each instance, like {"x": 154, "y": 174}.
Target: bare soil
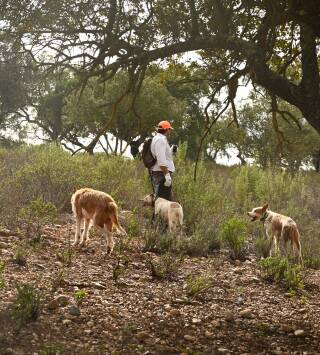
{"x": 240, "y": 313}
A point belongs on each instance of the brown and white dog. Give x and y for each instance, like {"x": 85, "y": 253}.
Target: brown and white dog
{"x": 280, "y": 228}
{"x": 95, "y": 208}
{"x": 170, "y": 212}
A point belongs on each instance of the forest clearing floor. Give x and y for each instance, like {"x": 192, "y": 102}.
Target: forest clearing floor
{"x": 239, "y": 313}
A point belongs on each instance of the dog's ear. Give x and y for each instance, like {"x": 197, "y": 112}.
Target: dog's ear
{"x": 264, "y": 207}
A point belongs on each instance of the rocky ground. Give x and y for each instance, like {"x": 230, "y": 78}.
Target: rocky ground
{"x": 238, "y": 313}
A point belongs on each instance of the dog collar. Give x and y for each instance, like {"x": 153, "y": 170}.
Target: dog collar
{"x": 264, "y": 217}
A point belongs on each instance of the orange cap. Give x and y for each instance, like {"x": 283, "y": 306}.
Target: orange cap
{"x": 164, "y": 125}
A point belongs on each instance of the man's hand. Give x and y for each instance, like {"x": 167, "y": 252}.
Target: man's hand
{"x": 168, "y": 180}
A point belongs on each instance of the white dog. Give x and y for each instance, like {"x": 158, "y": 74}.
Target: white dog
{"x": 170, "y": 212}
{"x": 280, "y": 228}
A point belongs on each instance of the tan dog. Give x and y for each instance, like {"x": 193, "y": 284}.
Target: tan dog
{"x": 95, "y": 208}
{"x": 170, "y": 212}
{"x": 278, "y": 227}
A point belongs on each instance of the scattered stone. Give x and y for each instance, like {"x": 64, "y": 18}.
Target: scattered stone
{"x": 66, "y": 321}
{"x": 196, "y": 320}
{"x": 239, "y": 301}
{"x": 299, "y": 332}
{"x": 8, "y": 351}
{"x": 190, "y": 337}
{"x": 223, "y": 350}
{"x": 4, "y": 245}
{"x": 53, "y": 304}
{"x": 174, "y": 313}
{"x": 142, "y": 335}
{"x": 246, "y": 313}
{"x": 286, "y": 328}
{"x": 62, "y": 300}
{"x": 229, "y": 317}
{"x": 98, "y": 285}
{"x": 74, "y": 310}
{"x": 208, "y": 334}
{"x": 216, "y": 323}
{"x": 237, "y": 262}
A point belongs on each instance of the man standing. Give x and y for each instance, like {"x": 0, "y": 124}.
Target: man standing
{"x": 164, "y": 167}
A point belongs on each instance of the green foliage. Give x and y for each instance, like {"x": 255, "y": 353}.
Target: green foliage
{"x": 80, "y": 295}
{"x": 36, "y": 214}
{"x": 20, "y": 255}
{"x": 282, "y": 271}
{"x": 52, "y": 349}
{"x": 2, "y": 266}
{"x": 166, "y": 267}
{"x": 26, "y": 305}
{"x": 197, "y": 285}
{"x": 263, "y": 246}
{"x": 233, "y": 235}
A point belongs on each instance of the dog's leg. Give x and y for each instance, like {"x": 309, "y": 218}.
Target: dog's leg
{"x": 78, "y": 229}
{"x": 85, "y": 232}
{"x": 110, "y": 242}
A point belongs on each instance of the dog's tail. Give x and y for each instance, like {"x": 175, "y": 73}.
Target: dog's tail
{"x": 113, "y": 209}
{"x": 291, "y": 233}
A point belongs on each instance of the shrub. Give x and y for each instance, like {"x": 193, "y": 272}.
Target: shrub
{"x": 282, "y": 271}
{"x": 2, "y": 266}
{"x": 263, "y": 246}
{"x": 166, "y": 267}
{"x": 157, "y": 242}
{"x": 20, "y": 255}
{"x": 197, "y": 284}
{"x": 233, "y": 235}
{"x": 203, "y": 241}
{"x": 26, "y": 305}
{"x": 80, "y": 295}
{"x": 52, "y": 349}
{"x": 36, "y": 214}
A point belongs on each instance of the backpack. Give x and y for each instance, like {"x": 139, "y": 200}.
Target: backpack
{"x": 148, "y": 159}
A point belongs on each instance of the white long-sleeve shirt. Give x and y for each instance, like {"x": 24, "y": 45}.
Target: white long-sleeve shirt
{"x": 160, "y": 149}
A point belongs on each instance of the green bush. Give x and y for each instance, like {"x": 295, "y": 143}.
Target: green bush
{"x": 166, "y": 267}
{"x": 197, "y": 285}
{"x": 2, "y": 266}
{"x": 80, "y": 295}
{"x": 26, "y": 305}
{"x": 233, "y": 235}
{"x": 282, "y": 271}
{"x": 20, "y": 255}
{"x": 52, "y": 349}
{"x": 262, "y": 246}
{"x": 36, "y": 215}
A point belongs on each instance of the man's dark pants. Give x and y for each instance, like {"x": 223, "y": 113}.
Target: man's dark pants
{"x": 160, "y": 190}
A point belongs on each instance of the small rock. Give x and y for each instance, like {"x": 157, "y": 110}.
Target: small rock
{"x": 239, "y": 301}
{"x": 66, "y": 321}
{"x": 142, "y": 335}
{"x": 4, "y": 245}
{"x": 208, "y": 334}
{"x": 190, "y": 337}
{"x": 8, "y": 351}
{"x": 229, "y": 316}
{"x": 167, "y": 306}
{"x": 90, "y": 324}
{"x": 53, "y": 304}
{"x": 216, "y": 323}
{"x": 246, "y": 313}
{"x": 299, "y": 332}
{"x": 223, "y": 350}
{"x": 62, "y": 300}
{"x": 286, "y": 328}
{"x": 237, "y": 262}
{"x": 87, "y": 331}
{"x": 196, "y": 320}
{"x": 174, "y": 313}
{"x": 74, "y": 310}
